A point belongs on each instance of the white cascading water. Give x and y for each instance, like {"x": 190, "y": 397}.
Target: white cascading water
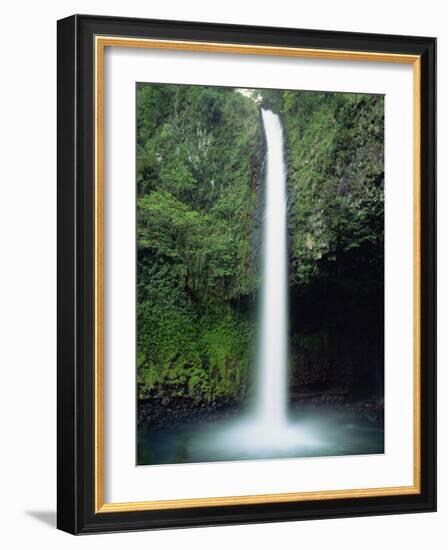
{"x": 272, "y": 362}
{"x": 268, "y": 431}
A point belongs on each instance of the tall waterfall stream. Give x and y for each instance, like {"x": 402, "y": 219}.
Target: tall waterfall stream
{"x": 272, "y": 354}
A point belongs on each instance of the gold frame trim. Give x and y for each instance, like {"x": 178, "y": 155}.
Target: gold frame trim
{"x": 101, "y": 42}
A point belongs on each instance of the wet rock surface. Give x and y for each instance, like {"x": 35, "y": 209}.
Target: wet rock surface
{"x": 164, "y": 413}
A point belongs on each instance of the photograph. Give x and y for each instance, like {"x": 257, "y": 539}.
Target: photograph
{"x": 260, "y": 274}
{"x": 222, "y": 241}
{"x": 246, "y": 274}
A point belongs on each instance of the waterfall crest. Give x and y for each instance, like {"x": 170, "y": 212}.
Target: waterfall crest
{"x": 271, "y": 399}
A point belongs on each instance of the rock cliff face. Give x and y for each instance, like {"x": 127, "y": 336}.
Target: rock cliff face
{"x": 200, "y": 184}
{"x": 335, "y": 150}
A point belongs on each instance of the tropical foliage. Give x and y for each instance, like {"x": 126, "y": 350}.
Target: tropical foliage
{"x": 200, "y": 154}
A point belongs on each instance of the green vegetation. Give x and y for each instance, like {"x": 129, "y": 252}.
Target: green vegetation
{"x": 336, "y": 180}
{"x": 198, "y": 163}
{"x": 200, "y": 153}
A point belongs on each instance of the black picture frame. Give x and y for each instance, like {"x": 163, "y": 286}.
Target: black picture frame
{"x": 76, "y": 479}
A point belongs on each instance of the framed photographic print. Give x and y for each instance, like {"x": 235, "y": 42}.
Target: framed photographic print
{"x": 246, "y": 274}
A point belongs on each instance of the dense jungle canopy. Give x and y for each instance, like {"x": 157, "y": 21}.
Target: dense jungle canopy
{"x": 200, "y": 163}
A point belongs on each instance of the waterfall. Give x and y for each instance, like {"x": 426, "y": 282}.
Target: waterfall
{"x": 267, "y": 430}
{"x": 271, "y": 398}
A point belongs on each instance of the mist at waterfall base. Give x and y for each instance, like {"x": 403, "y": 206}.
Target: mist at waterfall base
{"x": 266, "y": 427}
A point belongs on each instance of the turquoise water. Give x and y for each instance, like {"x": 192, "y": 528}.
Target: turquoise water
{"x": 308, "y": 434}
